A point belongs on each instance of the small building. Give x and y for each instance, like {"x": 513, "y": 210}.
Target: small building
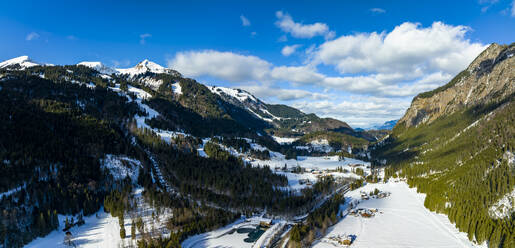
{"x": 266, "y": 224}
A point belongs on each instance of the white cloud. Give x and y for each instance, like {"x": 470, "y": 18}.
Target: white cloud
{"x": 406, "y": 48}
{"x": 273, "y": 92}
{"x": 513, "y": 8}
{"x": 289, "y": 50}
{"x": 296, "y": 74}
{"x": 71, "y": 37}
{"x": 377, "y": 10}
{"x": 299, "y": 30}
{"x": 395, "y": 65}
{"x": 143, "y": 37}
{"x": 224, "y": 65}
{"x": 32, "y": 36}
{"x": 244, "y": 21}
{"x": 357, "y": 111}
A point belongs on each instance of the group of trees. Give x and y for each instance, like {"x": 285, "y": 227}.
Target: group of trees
{"x": 317, "y": 222}
{"x": 55, "y": 133}
{"x": 53, "y": 136}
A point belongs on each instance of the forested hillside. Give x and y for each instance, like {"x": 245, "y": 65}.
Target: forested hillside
{"x": 60, "y": 123}
{"x": 456, "y": 144}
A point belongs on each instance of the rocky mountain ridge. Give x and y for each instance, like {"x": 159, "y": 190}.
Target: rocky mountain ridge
{"x": 490, "y": 77}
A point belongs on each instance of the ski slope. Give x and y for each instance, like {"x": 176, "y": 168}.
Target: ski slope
{"x": 403, "y": 221}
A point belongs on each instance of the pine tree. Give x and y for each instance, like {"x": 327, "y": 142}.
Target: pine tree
{"x": 122, "y": 232}
{"x": 133, "y": 230}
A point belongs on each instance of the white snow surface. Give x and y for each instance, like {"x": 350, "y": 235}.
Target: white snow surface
{"x": 403, "y": 221}
{"x": 143, "y": 67}
{"x": 241, "y": 95}
{"x": 504, "y": 207}
{"x": 284, "y": 140}
{"x": 121, "y": 167}
{"x": 99, "y": 66}
{"x": 176, "y": 88}
{"x": 103, "y": 231}
{"x": 294, "y": 178}
{"x": 320, "y": 163}
{"x": 151, "y": 82}
{"x": 23, "y": 61}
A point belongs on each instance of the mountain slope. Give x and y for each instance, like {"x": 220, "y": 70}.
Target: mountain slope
{"x": 98, "y": 66}
{"x": 488, "y": 78}
{"x": 454, "y": 144}
{"x": 60, "y": 122}
{"x": 18, "y": 63}
{"x": 286, "y": 120}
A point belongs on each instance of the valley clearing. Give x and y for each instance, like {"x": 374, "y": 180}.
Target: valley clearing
{"x": 401, "y": 221}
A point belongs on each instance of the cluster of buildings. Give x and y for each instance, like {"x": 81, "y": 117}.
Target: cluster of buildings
{"x": 343, "y": 240}
{"x": 378, "y": 195}
{"x": 364, "y": 212}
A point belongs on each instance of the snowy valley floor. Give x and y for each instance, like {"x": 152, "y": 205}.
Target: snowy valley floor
{"x": 402, "y": 221}
{"x": 101, "y": 231}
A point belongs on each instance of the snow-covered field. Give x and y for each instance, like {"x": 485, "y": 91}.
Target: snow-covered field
{"x": 101, "y": 231}
{"x": 312, "y": 163}
{"x": 284, "y": 140}
{"x": 403, "y": 221}
{"x": 319, "y": 163}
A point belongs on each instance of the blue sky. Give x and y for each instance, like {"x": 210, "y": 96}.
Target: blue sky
{"x": 358, "y": 61}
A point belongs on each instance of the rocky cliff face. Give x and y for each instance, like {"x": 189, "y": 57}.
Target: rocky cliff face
{"x": 490, "y": 77}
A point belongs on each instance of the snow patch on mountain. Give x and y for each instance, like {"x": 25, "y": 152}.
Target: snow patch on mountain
{"x": 504, "y": 207}
{"x": 241, "y": 95}
{"x": 99, "y": 66}
{"x": 151, "y": 113}
{"x": 22, "y": 61}
{"x": 144, "y": 67}
{"x": 176, "y": 88}
{"x": 151, "y": 82}
{"x": 284, "y": 140}
{"x": 121, "y": 167}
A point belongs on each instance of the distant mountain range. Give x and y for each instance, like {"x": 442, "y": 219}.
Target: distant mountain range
{"x": 276, "y": 119}
{"x": 388, "y": 125}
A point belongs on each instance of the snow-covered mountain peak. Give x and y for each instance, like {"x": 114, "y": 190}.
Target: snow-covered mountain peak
{"x": 99, "y": 66}
{"x": 144, "y": 67}
{"x": 22, "y": 61}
